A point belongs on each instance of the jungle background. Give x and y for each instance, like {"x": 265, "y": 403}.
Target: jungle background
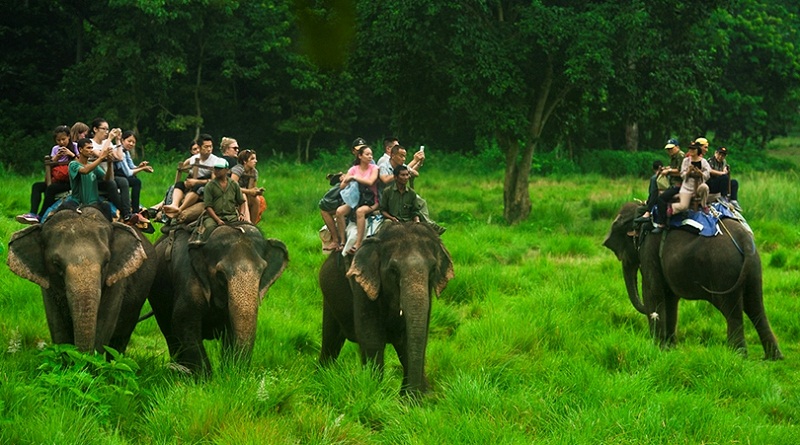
{"x": 565, "y": 103}
{"x": 548, "y": 84}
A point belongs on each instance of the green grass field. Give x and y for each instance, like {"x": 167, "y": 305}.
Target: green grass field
{"x": 533, "y": 341}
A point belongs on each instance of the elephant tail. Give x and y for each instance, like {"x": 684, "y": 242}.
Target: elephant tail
{"x": 739, "y": 281}
{"x": 145, "y": 316}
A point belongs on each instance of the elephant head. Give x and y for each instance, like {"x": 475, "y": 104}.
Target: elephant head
{"x": 78, "y": 258}
{"x": 621, "y": 239}
{"x": 404, "y": 264}
{"x": 235, "y": 268}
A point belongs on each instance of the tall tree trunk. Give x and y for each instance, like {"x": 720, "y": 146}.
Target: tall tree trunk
{"x": 308, "y": 145}
{"x": 516, "y": 196}
{"x": 198, "y": 82}
{"x": 632, "y": 136}
{"x": 299, "y": 148}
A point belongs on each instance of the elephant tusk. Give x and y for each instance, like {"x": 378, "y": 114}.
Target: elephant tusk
{"x": 401, "y": 312}
{"x": 654, "y": 316}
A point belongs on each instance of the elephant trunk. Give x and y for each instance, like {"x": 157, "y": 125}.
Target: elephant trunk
{"x": 630, "y": 272}
{"x": 415, "y": 303}
{"x": 244, "y": 299}
{"x": 84, "y": 289}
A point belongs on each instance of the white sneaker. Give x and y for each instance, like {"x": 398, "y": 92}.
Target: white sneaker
{"x": 28, "y": 218}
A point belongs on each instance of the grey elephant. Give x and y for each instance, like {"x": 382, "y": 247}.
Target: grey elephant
{"x": 383, "y": 295}
{"x": 94, "y": 275}
{"x": 213, "y": 291}
{"x": 724, "y": 270}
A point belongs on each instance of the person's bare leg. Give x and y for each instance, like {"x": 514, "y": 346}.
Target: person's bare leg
{"x": 361, "y": 224}
{"x": 254, "y": 207}
{"x": 248, "y": 199}
{"x": 331, "y": 225}
{"x": 341, "y": 221}
{"x": 189, "y": 200}
{"x": 173, "y": 209}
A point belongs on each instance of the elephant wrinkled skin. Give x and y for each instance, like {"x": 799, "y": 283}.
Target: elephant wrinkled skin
{"x": 724, "y": 270}
{"x": 213, "y": 291}
{"x": 94, "y": 276}
{"x": 383, "y": 295}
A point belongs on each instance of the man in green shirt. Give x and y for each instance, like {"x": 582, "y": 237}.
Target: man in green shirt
{"x": 399, "y": 202}
{"x": 87, "y": 177}
{"x": 224, "y": 203}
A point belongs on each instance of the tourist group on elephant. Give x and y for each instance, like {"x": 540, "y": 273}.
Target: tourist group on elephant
{"x": 208, "y": 272}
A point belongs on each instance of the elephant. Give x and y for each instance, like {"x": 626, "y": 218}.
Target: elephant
{"x": 213, "y": 290}
{"x": 94, "y": 275}
{"x": 382, "y": 294}
{"x": 724, "y": 270}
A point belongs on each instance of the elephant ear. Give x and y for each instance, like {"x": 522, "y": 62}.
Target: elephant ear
{"x": 365, "y": 268}
{"x": 26, "y": 255}
{"x": 444, "y": 270}
{"x": 277, "y": 257}
{"x": 127, "y": 253}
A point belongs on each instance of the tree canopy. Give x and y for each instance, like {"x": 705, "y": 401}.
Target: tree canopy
{"x": 294, "y": 78}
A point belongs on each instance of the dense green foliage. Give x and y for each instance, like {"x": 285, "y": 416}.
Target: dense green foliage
{"x": 298, "y": 77}
{"x": 533, "y": 341}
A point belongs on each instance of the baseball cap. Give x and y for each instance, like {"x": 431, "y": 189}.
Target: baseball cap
{"x": 668, "y": 146}
{"x": 222, "y": 163}
{"x": 673, "y": 142}
{"x": 722, "y": 150}
{"x": 359, "y": 141}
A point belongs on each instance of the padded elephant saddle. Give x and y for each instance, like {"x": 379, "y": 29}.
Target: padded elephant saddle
{"x": 706, "y": 224}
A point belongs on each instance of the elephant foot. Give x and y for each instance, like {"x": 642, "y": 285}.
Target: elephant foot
{"x": 773, "y": 354}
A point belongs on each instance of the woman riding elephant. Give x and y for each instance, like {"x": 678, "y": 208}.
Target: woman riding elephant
{"x": 384, "y": 296}
{"x": 724, "y": 270}
{"x": 213, "y": 290}
{"x": 94, "y": 275}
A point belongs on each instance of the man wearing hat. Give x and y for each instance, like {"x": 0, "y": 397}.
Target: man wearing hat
{"x": 223, "y": 200}
{"x": 721, "y": 181}
{"x": 673, "y": 172}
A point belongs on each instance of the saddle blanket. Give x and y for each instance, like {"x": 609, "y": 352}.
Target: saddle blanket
{"x": 707, "y": 224}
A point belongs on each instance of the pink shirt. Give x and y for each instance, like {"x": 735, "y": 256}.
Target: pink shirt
{"x": 365, "y": 174}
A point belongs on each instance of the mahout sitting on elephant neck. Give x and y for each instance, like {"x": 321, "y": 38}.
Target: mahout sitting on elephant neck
{"x": 213, "y": 291}
{"x": 382, "y": 294}
{"x": 730, "y": 279}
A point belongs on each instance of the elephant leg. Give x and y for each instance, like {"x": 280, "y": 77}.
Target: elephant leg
{"x": 187, "y": 327}
{"x": 370, "y": 333}
{"x": 126, "y": 322}
{"x": 731, "y": 308}
{"x": 372, "y": 355}
{"x": 58, "y": 320}
{"x": 108, "y": 316}
{"x": 671, "y": 321}
{"x": 332, "y": 337}
{"x": 754, "y": 308}
{"x": 658, "y": 316}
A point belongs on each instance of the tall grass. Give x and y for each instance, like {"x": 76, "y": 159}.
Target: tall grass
{"x": 533, "y": 341}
